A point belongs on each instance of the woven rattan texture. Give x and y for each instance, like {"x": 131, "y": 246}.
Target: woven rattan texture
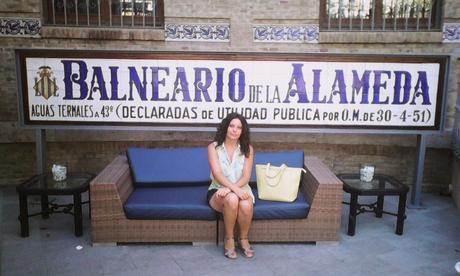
{"x": 113, "y": 185}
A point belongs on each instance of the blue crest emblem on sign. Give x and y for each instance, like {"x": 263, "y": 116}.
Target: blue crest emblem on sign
{"x": 45, "y": 86}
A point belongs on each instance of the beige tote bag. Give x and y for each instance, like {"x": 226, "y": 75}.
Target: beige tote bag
{"x": 278, "y": 183}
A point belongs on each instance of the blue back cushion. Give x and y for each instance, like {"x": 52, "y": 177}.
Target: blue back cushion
{"x": 290, "y": 158}
{"x": 169, "y": 167}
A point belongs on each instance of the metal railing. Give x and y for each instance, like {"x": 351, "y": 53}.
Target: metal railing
{"x": 104, "y": 13}
{"x": 381, "y": 15}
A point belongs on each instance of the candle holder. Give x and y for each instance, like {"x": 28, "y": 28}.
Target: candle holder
{"x": 367, "y": 172}
{"x": 59, "y": 172}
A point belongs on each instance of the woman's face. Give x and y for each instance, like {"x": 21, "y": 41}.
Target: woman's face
{"x": 234, "y": 129}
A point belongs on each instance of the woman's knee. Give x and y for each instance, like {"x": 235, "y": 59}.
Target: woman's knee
{"x": 231, "y": 200}
{"x": 246, "y": 206}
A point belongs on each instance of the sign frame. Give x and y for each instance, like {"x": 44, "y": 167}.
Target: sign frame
{"x": 24, "y": 117}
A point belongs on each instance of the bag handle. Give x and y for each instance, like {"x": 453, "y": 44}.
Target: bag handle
{"x": 276, "y": 178}
{"x": 280, "y": 172}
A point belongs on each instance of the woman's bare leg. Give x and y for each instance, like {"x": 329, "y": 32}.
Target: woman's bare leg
{"x": 245, "y": 213}
{"x": 228, "y": 206}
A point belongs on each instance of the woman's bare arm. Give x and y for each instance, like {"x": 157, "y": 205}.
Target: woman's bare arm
{"x": 216, "y": 170}
{"x": 247, "y": 169}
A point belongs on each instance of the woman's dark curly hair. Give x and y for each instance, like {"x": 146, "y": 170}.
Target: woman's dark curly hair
{"x": 222, "y": 132}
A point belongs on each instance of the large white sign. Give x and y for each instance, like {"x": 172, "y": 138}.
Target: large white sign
{"x": 203, "y": 91}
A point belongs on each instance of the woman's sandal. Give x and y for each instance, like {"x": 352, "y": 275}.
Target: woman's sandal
{"x": 230, "y": 253}
{"x": 247, "y": 252}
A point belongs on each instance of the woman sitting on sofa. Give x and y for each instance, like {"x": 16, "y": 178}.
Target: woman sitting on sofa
{"x": 230, "y": 158}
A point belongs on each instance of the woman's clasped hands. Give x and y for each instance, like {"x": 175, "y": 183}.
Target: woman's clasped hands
{"x": 242, "y": 194}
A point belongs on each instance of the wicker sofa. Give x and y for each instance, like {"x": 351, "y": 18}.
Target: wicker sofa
{"x": 117, "y": 186}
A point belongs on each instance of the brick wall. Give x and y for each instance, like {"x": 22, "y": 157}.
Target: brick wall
{"x": 398, "y": 160}
{"x": 92, "y": 150}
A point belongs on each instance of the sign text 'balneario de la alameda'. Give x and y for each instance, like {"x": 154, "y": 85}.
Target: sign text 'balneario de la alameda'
{"x": 203, "y": 91}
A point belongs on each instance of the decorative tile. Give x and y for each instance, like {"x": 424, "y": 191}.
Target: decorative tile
{"x": 284, "y": 33}
{"x": 198, "y": 32}
{"x": 27, "y": 27}
{"x": 451, "y": 32}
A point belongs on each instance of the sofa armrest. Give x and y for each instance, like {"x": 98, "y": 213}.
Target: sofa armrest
{"x": 110, "y": 189}
{"x": 321, "y": 186}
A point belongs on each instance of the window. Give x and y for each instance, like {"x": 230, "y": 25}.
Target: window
{"x": 380, "y": 15}
{"x": 104, "y": 13}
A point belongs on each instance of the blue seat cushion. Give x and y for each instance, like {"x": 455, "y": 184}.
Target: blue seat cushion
{"x": 169, "y": 203}
{"x": 290, "y": 158}
{"x": 264, "y": 209}
{"x": 169, "y": 167}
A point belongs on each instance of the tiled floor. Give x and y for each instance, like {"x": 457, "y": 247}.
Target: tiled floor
{"x": 430, "y": 245}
